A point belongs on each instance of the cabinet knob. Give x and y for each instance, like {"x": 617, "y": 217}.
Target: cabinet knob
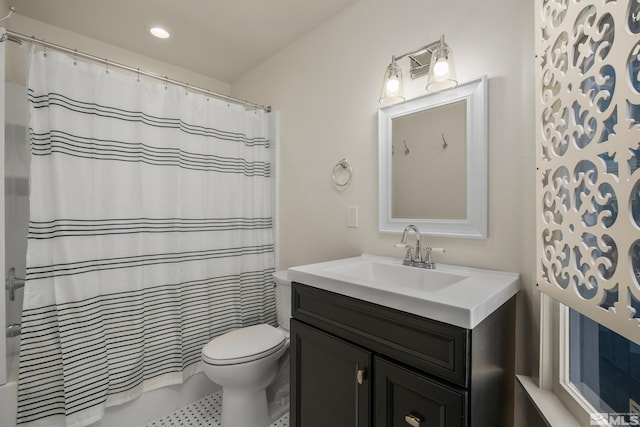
{"x": 413, "y": 420}
{"x": 361, "y": 375}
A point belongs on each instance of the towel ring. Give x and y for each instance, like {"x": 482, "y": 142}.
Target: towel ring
{"x": 344, "y": 164}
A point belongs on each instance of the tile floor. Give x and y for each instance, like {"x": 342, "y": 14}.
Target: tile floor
{"x": 203, "y": 413}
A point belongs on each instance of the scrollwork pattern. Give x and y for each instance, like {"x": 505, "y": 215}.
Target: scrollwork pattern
{"x": 588, "y": 80}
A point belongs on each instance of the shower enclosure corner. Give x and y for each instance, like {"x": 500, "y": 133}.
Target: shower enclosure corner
{"x": 16, "y": 214}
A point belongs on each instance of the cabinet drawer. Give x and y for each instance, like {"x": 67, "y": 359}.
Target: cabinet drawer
{"x": 404, "y": 398}
{"x": 428, "y": 345}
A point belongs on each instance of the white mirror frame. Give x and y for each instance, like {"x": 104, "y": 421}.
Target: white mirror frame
{"x": 474, "y": 226}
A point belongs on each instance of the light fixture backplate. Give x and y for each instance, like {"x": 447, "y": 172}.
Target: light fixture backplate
{"x": 420, "y": 64}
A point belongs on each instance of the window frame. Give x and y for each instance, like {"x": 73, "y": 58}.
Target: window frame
{"x": 554, "y": 360}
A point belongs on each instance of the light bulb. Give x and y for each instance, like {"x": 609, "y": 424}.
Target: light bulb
{"x": 393, "y": 84}
{"x": 441, "y": 68}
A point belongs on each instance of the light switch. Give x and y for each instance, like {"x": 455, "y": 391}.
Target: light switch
{"x": 352, "y": 216}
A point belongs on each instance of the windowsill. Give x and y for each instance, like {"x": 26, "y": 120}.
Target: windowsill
{"x": 548, "y": 405}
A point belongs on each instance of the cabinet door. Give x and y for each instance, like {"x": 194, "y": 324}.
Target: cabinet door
{"x": 405, "y": 398}
{"x": 330, "y": 384}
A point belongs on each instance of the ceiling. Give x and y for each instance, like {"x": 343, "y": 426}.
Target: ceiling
{"x": 222, "y": 39}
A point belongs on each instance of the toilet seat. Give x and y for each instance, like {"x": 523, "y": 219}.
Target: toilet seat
{"x": 244, "y": 345}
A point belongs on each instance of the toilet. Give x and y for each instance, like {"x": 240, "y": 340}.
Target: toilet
{"x": 246, "y": 361}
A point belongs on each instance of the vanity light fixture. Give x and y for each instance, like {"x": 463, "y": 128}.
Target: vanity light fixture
{"x": 434, "y": 59}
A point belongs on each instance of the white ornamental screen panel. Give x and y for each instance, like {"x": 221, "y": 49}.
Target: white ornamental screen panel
{"x": 588, "y": 158}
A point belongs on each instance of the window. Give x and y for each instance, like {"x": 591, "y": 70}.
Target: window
{"x": 603, "y": 366}
{"x": 596, "y": 371}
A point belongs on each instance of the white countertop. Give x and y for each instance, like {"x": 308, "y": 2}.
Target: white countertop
{"x": 465, "y": 303}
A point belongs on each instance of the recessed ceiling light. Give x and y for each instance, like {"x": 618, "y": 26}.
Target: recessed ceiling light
{"x": 159, "y": 32}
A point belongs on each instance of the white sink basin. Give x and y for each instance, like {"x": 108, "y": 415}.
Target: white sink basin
{"x": 398, "y": 275}
{"x": 455, "y": 295}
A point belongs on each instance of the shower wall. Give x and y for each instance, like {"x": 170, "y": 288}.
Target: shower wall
{"x": 16, "y": 156}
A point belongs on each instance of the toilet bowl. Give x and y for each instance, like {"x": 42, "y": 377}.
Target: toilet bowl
{"x": 246, "y": 361}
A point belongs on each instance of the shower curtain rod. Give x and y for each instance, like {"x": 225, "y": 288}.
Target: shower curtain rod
{"x": 18, "y": 38}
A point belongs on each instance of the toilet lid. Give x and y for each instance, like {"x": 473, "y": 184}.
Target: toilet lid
{"x": 244, "y": 345}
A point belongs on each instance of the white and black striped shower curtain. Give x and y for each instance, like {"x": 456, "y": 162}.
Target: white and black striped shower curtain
{"x": 150, "y": 233}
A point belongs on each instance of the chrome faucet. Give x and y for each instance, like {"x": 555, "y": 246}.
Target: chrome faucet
{"x": 417, "y": 260}
{"x": 410, "y": 259}
{"x": 12, "y": 283}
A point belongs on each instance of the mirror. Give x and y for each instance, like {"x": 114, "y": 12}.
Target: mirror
{"x": 433, "y": 163}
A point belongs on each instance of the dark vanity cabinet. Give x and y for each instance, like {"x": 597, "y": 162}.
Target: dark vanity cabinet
{"x": 355, "y": 363}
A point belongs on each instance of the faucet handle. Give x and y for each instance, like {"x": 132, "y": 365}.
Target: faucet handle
{"x": 434, "y": 250}
{"x": 408, "y": 259}
{"x": 428, "y": 261}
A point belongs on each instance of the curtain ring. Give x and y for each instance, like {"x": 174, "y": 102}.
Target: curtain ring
{"x": 344, "y": 164}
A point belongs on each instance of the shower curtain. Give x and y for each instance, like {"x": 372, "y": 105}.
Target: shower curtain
{"x": 150, "y": 233}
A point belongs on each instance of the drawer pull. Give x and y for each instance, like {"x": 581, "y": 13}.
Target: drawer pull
{"x": 361, "y": 375}
{"x": 413, "y": 420}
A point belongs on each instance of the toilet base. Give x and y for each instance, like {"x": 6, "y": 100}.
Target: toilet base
{"x": 244, "y": 408}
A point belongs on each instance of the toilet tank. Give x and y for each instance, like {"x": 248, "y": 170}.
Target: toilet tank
{"x": 283, "y": 298}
